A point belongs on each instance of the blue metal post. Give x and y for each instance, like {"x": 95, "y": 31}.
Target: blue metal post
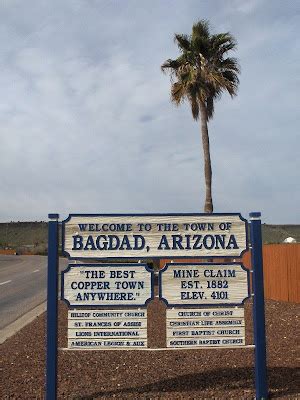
{"x": 52, "y": 294}
{"x": 261, "y": 385}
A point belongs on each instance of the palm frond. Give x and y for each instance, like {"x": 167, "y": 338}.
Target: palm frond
{"x": 231, "y": 82}
{"x": 221, "y": 39}
{"x": 226, "y": 47}
{"x": 200, "y": 38}
{"x": 194, "y": 107}
{"x": 222, "y": 43}
{"x": 210, "y": 108}
{"x": 173, "y": 66}
{"x": 177, "y": 93}
{"x": 229, "y": 63}
{"x": 200, "y": 46}
{"x": 201, "y": 29}
{"x": 182, "y": 42}
{"x": 169, "y": 65}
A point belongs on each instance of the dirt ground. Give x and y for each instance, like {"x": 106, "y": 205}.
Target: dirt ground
{"x": 174, "y": 374}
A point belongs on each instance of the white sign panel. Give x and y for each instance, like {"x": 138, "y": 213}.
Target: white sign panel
{"x": 183, "y": 284}
{"x": 154, "y": 235}
{"x": 99, "y": 329}
{"x": 205, "y": 327}
{"x": 107, "y": 285}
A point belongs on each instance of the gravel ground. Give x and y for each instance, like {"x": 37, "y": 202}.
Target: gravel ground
{"x": 175, "y": 374}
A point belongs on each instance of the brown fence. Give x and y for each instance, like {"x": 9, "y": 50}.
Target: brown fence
{"x": 281, "y": 270}
{"x": 7, "y": 251}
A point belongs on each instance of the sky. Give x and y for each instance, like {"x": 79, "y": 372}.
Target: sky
{"x": 87, "y": 126}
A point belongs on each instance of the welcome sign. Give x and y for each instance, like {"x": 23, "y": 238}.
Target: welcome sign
{"x": 154, "y": 235}
{"x": 107, "y": 285}
{"x": 109, "y": 301}
{"x": 203, "y": 284}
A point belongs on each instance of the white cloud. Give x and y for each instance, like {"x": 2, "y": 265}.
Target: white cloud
{"x": 86, "y": 123}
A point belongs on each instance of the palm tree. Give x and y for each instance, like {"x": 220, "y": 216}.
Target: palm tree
{"x": 200, "y": 74}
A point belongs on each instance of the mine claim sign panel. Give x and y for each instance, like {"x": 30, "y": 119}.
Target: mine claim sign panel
{"x": 211, "y": 327}
{"x": 107, "y": 329}
{"x": 203, "y": 284}
{"x": 107, "y": 285}
{"x": 154, "y": 235}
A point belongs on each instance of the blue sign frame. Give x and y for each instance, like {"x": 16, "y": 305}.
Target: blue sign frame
{"x": 66, "y": 254}
{"x": 121, "y": 305}
{"x": 201, "y": 304}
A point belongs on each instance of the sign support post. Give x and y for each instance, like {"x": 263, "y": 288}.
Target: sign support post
{"x": 261, "y": 385}
{"x": 52, "y": 293}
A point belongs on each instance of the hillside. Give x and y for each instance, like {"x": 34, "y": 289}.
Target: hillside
{"x": 24, "y": 237}
{"x": 277, "y": 233}
{"x": 31, "y": 237}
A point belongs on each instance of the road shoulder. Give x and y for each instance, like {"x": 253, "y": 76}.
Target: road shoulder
{"x": 18, "y": 324}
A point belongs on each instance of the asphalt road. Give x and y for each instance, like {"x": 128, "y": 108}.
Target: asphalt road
{"x": 23, "y": 282}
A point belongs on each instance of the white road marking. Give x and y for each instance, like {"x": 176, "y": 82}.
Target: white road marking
{"x": 36, "y": 270}
{"x": 4, "y": 283}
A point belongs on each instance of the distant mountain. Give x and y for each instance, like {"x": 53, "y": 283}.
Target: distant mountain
{"x": 24, "y": 237}
{"x": 32, "y": 237}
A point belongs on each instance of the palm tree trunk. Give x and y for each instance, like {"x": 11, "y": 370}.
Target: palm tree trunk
{"x": 208, "y": 206}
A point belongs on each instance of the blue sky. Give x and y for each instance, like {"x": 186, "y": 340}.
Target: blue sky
{"x": 86, "y": 123}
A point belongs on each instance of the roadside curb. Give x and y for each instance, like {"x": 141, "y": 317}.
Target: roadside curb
{"x": 15, "y": 326}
